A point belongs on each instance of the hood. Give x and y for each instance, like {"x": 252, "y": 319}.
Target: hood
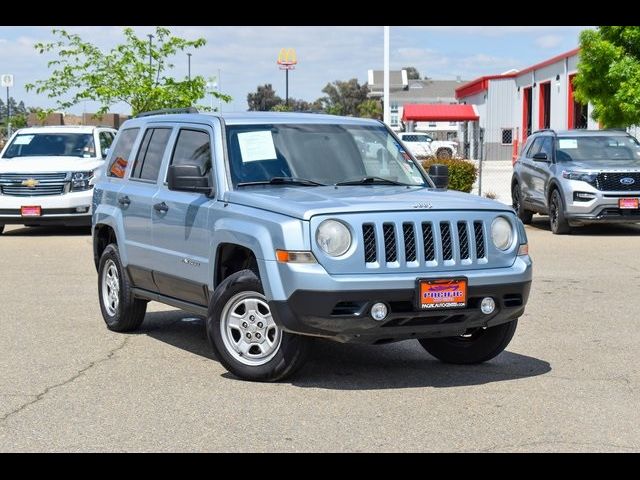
{"x": 48, "y": 164}
{"x": 602, "y": 165}
{"x": 305, "y": 202}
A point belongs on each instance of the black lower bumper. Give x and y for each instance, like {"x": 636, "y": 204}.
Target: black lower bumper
{"x": 344, "y": 316}
{"x": 606, "y": 215}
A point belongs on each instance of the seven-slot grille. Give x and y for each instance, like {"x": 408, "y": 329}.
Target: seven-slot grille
{"x": 17, "y": 184}
{"x": 610, "y": 182}
{"x": 457, "y": 241}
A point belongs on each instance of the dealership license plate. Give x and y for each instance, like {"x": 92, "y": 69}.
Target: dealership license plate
{"x": 31, "y": 211}
{"x": 442, "y": 293}
{"x": 628, "y": 203}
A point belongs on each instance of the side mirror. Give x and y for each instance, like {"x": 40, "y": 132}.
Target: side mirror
{"x": 188, "y": 178}
{"x": 540, "y": 157}
{"x": 105, "y": 152}
{"x": 440, "y": 175}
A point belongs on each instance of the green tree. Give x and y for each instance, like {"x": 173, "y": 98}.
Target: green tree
{"x": 370, "y": 109}
{"x": 412, "y": 73}
{"x": 344, "y": 98}
{"x": 263, "y": 99}
{"x": 609, "y": 74}
{"x": 81, "y": 71}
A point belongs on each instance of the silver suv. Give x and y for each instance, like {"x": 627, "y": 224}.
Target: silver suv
{"x": 578, "y": 177}
{"x": 280, "y": 227}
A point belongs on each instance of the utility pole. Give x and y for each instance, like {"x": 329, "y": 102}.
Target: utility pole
{"x": 189, "y": 55}
{"x": 387, "y": 107}
{"x": 6, "y": 80}
{"x": 150, "y": 35}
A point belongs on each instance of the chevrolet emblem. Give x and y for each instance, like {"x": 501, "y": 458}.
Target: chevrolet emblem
{"x": 30, "y": 183}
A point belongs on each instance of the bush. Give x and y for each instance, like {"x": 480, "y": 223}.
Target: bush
{"x": 462, "y": 173}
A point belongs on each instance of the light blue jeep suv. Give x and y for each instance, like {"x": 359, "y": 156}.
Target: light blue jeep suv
{"x": 280, "y": 227}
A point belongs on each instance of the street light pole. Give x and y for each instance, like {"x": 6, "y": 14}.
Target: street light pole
{"x": 189, "y": 55}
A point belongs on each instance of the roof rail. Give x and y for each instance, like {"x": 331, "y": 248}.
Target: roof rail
{"x": 167, "y": 110}
{"x": 545, "y": 130}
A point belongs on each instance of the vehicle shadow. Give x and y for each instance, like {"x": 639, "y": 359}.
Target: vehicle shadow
{"x": 45, "y": 231}
{"x": 603, "y": 230}
{"x": 338, "y": 366}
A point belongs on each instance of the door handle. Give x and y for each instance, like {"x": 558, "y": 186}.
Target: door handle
{"x": 124, "y": 201}
{"x": 161, "y": 207}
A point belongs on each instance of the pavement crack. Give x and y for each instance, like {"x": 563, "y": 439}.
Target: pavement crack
{"x": 71, "y": 379}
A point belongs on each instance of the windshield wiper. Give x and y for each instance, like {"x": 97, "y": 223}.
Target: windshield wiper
{"x": 372, "y": 180}
{"x": 284, "y": 181}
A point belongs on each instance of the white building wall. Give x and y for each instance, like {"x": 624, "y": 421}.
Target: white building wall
{"x": 499, "y": 110}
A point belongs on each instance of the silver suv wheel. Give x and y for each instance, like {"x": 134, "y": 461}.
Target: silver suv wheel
{"x": 110, "y": 288}
{"x": 247, "y": 329}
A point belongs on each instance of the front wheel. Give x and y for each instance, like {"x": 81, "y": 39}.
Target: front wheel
{"x": 244, "y": 336}
{"x": 476, "y": 346}
{"x": 557, "y": 220}
{"x": 1, "y": 228}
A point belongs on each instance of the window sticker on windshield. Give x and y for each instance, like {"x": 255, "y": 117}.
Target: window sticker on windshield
{"x": 23, "y": 140}
{"x": 568, "y": 143}
{"x": 256, "y": 146}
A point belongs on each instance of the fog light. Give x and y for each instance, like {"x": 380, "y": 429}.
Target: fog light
{"x": 488, "y": 305}
{"x": 379, "y": 311}
{"x": 82, "y": 209}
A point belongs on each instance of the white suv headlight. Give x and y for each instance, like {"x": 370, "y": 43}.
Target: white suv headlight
{"x": 333, "y": 237}
{"x": 501, "y": 233}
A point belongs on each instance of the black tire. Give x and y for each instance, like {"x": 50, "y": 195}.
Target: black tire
{"x": 129, "y": 312}
{"x": 557, "y": 219}
{"x": 444, "y": 154}
{"x": 477, "y": 347}
{"x": 282, "y": 362}
{"x": 1, "y": 228}
{"x": 516, "y": 198}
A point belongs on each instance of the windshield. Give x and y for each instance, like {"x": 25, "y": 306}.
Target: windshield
{"x": 595, "y": 148}
{"x": 51, "y": 144}
{"x": 326, "y": 154}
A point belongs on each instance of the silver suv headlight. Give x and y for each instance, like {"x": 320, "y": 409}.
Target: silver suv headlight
{"x": 333, "y": 237}
{"x": 501, "y": 233}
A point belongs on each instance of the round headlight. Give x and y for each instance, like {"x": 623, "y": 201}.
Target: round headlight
{"x": 501, "y": 233}
{"x": 333, "y": 238}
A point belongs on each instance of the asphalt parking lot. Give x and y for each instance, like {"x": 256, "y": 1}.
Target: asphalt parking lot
{"x": 569, "y": 381}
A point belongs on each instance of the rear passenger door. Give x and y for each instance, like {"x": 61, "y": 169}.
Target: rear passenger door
{"x": 540, "y": 172}
{"x": 527, "y": 166}
{"x": 136, "y": 200}
{"x": 180, "y": 222}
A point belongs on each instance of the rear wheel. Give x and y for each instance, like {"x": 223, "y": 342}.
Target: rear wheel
{"x": 476, "y": 346}
{"x": 122, "y": 312}
{"x": 557, "y": 220}
{"x": 1, "y": 228}
{"x": 516, "y": 198}
{"x": 443, "y": 154}
{"x": 244, "y": 336}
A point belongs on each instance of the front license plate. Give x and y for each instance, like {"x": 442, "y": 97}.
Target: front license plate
{"x": 31, "y": 211}
{"x": 628, "y": 203}
{"x": 442, "y": 293}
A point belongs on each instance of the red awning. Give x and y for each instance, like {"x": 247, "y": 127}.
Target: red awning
{"x": 439, "y": 112}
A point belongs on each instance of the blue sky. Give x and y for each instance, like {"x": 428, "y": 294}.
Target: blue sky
{"x": 246, "y": 56}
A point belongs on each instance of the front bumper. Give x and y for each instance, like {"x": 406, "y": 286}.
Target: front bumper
{"x": 56, "y": 209}
{"x": 603, "y": 208}
{"x": 338, "y": 306}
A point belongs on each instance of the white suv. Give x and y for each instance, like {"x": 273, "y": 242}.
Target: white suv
{"x": 418, "y": 142}
{"x": 47, "y": 174}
